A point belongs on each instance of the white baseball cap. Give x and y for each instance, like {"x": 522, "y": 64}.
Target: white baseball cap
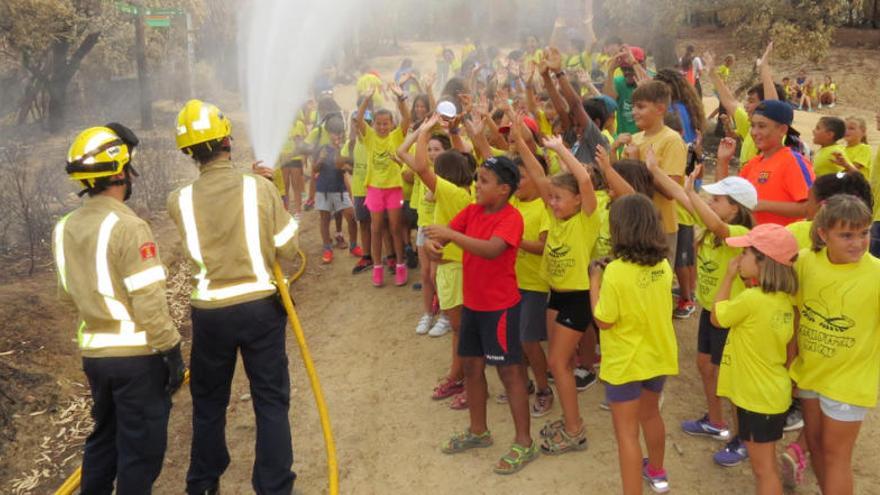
{"x": 447, "y": 109}
{"x": 741, "y": 190}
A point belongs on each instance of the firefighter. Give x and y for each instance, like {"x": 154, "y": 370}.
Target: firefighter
{"x": 109, "y": 269}
{"x": 233, "y": 226}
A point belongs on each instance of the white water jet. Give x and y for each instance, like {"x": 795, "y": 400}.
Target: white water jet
{"x": 281, "y": 46}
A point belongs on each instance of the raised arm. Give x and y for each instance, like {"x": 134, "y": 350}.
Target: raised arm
{"x": 555, "y": 98}
{"x": 665, "y": 184}
{"x": 575, "y": 106}
{"x": 608, "y": 87}
{"x": 475, "y": 133}
{"x": 420, "y": 164}
{"x": 428, "y": 88}
{"x": 726, "y": 150}
{"x": 362, "y": 110}
{"x": 615, "y": 182}
{"x": 728, "y": 101}
{"x": 533, "y": 168}
{"x": 708, "y": 216}
{"x": 578, "y": 170}
{"x": 403, "y": 150}
{"x": 405, "y": 119}
{"x": 767, "y": 75}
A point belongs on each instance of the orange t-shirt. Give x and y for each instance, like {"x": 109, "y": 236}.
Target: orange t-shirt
{"x": 784, "y": 176}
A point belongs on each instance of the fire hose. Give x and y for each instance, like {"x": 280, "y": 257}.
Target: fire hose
{"x": 72, "y": 483}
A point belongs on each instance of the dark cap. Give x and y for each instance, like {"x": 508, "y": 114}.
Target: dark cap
{"x": 776, "y": 110}
{"x": 505, "y": 169}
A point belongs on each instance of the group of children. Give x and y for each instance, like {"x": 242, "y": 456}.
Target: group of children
{"x": 538, "y": 218}
{"x": 805, "y": 94}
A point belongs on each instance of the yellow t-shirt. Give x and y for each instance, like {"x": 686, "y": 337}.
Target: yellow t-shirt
{"x": 423, "y": 204}
{"x": 684, "y": 217}
{"x": 407, "y": 187}
{"x": 712, "y": 266}
{"x": 860, "y": 153}
{"x": 801, "y": 232}
{"x": 297, "y": 131}
{"x": 828, "y": 88}
{"x": 839, "y": 334}
{"x": 723, "y": 72}
{"x": 822, "y": 163}
{"x": 359, "y": 168}
{"x": 528, "y": 266}
{"x": 671, "y": 152}
{"x": 312, "y": 138}
{"x": 544, "y": 125}
{"x": 641, "y": 344}
{"x": 449, "y": 200}
{"x": 567, "y": 252}
{"x": 383, "y": 171}
{"x": 743, "y": 127}
{"x": 278, "y": 180}
{"x": 608, "y": 136}
{"x": 752, "y": 372}
{"x": 366, "y": 83}
{"x": 602, "y": 248}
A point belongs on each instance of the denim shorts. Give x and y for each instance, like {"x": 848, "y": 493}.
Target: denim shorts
{"x": 633, "y": 390}
{"x": 836, "y": 410}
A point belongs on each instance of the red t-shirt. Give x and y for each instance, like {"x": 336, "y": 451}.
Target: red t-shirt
{"x": 785, "y": 176}
{"x": 490, "y": 285}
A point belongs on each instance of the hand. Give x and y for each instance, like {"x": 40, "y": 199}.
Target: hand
{"x": 439, "y": 233}
{"x": 733, "y": 266}
{"x": 726, "y": 149}
{"x": 542, "y": 67}
{"x": 554, "y": 143}
{"x": 840, "y": 160}
{"x": 266, "y": 172}
{"x": 396, "y": 89}
{"x": 553, "y": 58}
{"x": 627, "y": 56}
{"x": 651, "y": 160}
{"x": 176, "y": 369}
{"x": 622, "y": 140}
{"x": 597, "y": 267}
{"x": 765, "y": 58}
{"x": 692, "y": 178}
{"x": 429, "y": 123}
{"x": 632, "y": 151}
{"x": 434, "y": 248}
{"x": 602, "y": 157}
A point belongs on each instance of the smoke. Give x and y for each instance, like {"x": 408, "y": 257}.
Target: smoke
{"x": 281, "y": 46}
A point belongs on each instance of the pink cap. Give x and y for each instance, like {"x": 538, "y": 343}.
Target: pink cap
{"x": 774, "y": 241}
{"x": 637, "y": 53}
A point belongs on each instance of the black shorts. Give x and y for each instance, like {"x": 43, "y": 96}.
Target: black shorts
{"x": 410, "y": 216}
{"x": 573, "y": 307}
{"x": 293, "y": 164}
{"x": 711, "y": 339}
{"x": 361, "y": 213}
{"x": 684, "y": 247}
{"x": 493, "y": 335}
{"x": 759, "y": 428}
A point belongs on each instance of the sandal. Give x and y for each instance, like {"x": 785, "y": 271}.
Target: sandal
{"x": 551, "y": 427}
{"x": 447, "y": 388}
{"x": 793, "y": 467}
{"x": 516, "y": 458}
{"x": 563, "y": 442}
{"x": 459, "y": 402}
{"x": 466, "y": 441}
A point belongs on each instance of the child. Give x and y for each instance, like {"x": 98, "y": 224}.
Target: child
{"x": 356, "y": 151}
{"x": 384, "y": 188}
{"x": 423, "y": 201}
{"x": 631, "y": 306}
{"x": 754, "y": 373}
{"x": 574, "y": 227}
{"x": 489, "y": 233}
{"x": 827, "y": 93}
{"x": 450, "y": 184}
{"x": 837, "y": 368}
{"x": 650, "y": 103}
{"x": 826, "y": 134}
{"x": 808, "y": 95}
{"x": 857, "y": 154}
{"x": 331, "y": 196}
{"x": 532, "y": 287}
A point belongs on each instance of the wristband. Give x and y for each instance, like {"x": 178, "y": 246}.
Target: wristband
{"x": 559, "y": 74}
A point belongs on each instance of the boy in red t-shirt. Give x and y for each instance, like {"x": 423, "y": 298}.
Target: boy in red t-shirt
{"x": 489, "y": 232}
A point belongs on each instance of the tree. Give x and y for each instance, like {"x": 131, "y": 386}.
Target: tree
{"x": 50, "y": 38}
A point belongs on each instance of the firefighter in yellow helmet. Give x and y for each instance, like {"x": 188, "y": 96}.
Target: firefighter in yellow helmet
{"x": 233, "y": 226}
{"x": 109, "y": 269}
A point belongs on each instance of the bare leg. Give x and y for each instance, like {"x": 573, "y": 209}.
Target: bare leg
{"x": 762, "y": 456}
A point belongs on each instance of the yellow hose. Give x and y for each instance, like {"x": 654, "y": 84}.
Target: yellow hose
{"x": 73, "y": 481}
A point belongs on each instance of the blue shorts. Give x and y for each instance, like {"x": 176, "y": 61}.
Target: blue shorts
{"x": 633, "y": 390}
{"x": 836, "y": 410}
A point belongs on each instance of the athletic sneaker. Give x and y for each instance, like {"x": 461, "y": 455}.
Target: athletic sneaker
{"x": 378, "y": 276}
{"x": 424, "y": 324}
{"x": 363, "y": 264}
{"x": 584, "y": 379}
{"x": 356, "y": 251}
{"x": 327, "y": 257}
{"x": 794, "y": 419}
{"x": 400, "y": 275}
{"x": 543, "y": 403}
{"x": 441, "y": 327}
{"x": 684, "y": 309}
{"x": 704, "y": 428}
{"x": 732, "y": 454}
{"x": 412, "y": 257}
{"x": 657, "y": 480}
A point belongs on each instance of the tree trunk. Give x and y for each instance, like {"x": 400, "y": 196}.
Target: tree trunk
{"x": 62, "y": 70}
{"x": 663, "y": 46}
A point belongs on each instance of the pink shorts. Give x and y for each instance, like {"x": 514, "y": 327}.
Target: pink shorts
{"x": 379, "y": 199}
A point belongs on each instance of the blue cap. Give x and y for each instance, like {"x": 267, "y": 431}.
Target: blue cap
{"x": 776, "y": 110}
{"x": 505, "y": 169}
{"x": 610, "y": 103}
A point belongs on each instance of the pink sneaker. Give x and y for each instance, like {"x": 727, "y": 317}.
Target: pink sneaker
{"x": 378, "y": 276}
{"x": 400, "y": 275}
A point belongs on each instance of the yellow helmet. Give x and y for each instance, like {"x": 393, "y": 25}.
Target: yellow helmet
{"x": 97, "y": 152}
{"x": 200, "y": 122}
